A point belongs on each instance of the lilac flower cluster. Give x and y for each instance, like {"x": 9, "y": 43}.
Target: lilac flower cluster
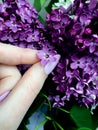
{"x": 19, "y": 26}
{"x": 17, "y": 22}
{"x": 74, "y": 34}
{"x": 71, "y": 32}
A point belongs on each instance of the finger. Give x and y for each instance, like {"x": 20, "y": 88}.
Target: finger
{"x": 22, "y": 96}
{"x": 12, "y": 55}
{"x": 9, "y": 76}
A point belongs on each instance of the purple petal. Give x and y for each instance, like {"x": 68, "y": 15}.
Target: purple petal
{"x": 92, "y": 48}
{"x": 74, "y": 65}
{"x": 29, "y": 38}
{"x": 83, "y": 18}
{"x": 14, "y": 29}
{"x": 41, "y": 54}
{"x": 92, "y": 4}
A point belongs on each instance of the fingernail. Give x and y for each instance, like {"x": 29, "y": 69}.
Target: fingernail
{"x": 49, "y": 67}
{"x": 4, "y": 95}
{"x": 49, "y": 60}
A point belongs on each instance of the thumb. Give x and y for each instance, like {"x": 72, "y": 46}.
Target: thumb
{"x": 29, "y": 85}
{"x": 22, "y": 96}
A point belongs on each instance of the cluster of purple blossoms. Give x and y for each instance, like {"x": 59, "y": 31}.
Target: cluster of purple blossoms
{"x": 74, "y": 34}
{"x": 19, "y": 26}
{"x": 71, "y": 32}
{"x": 17, "y": 21}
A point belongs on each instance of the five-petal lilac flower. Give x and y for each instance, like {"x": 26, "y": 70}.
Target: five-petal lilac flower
{"x": 48, "y": 59}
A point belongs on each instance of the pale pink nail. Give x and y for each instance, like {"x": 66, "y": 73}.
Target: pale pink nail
{"x": 49, "y": 67}
{"x": 4, "y": 95}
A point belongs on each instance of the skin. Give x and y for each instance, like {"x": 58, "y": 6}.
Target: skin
{"x": 23, "y": 89}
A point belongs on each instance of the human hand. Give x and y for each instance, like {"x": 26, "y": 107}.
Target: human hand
{"x": 18, "y": 92}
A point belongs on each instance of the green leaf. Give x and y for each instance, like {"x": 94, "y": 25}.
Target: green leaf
{"x": 81, "y": 116}
{"x": 49, "y": 6}
{"x": 41, "y": 124}
{"x": 43, "y": 11}
{"x": 41, "y": 20}
{"x": 37, "y": 5}
{"x": 40, "y": 6}
{"x": 63, "y": 110}
{"x": 48, "y": 118}
{"x": 84, "y": 128}
{"x": 49, "y": 103}
{"x": 59, "y": 126}
{"x": 42, "y": 2}
{"x": 54, "y": 125}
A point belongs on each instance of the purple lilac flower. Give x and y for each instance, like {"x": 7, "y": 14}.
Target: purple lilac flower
{"x": 19, "y": 26}
{"x": 12, "y": 23}
{"x": 80, "y": 82}
{"x": 76, "y": 40}
{"x": 77, "y": 63}
{"x": 48, "y": 58}
{"x": 58, "y": 101}
{"x": 2, "y": 25}
{"x": 33, "y": 36}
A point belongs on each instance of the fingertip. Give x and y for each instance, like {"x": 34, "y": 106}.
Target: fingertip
{"x": 28, "y": 56}
{"x": 13, "y": 55}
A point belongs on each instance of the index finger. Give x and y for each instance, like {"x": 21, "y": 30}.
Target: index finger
{"x": 12, "y": 55}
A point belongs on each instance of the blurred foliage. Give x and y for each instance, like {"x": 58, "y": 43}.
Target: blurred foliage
{"x": 43, "y": 7}
{"x": 81, "y": 116}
